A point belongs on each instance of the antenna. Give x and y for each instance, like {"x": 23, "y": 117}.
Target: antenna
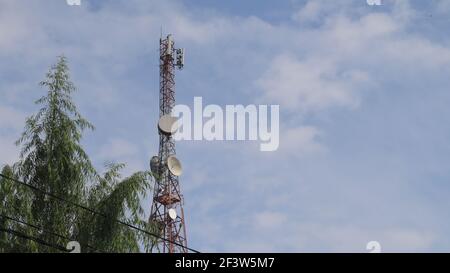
{"x": 172, "y": 214}
{"x": 154, "y": 164}
{"x": 168, "y": 125}
{"x": 167, "y": 208}
{"x": 180, "y": 58}
{"x": 174, "y": 165}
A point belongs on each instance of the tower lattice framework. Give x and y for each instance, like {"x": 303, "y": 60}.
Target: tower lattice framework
{"x": 167, "y": 194}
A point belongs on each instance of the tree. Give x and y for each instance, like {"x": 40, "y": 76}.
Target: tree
{"x": 53, "y": 160}
{"x": 14, "y": 201}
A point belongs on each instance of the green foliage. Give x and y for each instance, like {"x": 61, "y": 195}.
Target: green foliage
{"x": 52, "y": 159}
{"x": 14, "y": 201}
{"x": 115, "y": 199}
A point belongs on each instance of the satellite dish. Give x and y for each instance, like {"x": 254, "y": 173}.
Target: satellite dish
{"x": 168, "y": 125}
{"x": 172, "y": 214}
{"x": 154, "y": 164}
{"x": 174, "y": 165}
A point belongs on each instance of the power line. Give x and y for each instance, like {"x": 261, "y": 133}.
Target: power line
{"x": 44, "y": 231}
{"x": 90, "y": 210}
{"x": 94, "y": 212}
{"x": 31, "y": 238}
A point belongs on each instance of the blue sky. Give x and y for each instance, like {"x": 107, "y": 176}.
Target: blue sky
{"x": 363, "y": 94}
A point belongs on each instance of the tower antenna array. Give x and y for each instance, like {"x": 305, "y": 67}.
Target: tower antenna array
{"x": 167, "y": 212}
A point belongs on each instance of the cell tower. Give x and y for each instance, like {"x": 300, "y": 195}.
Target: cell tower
{"x": 167, "y": 207}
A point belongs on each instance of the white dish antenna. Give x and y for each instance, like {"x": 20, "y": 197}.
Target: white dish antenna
{"x": 172, "y": 214}
{"x": 154, "y": 164}
{"x": 174, "y": 165}
{"x": 168, "y": 125}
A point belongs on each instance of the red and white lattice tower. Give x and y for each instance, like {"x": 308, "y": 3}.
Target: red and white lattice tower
{"x": 167, "y": 208}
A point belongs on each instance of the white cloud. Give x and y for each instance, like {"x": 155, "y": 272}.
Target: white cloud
{"x": 315, "y": 11}
{"x": 310, "y": 12}
{"x": 309, "y": 85}
{"x": 301, "y": 142}
{"x": 335, "y": 63}
{"x": 13, "y": 28}
{"x": 117, "y": 148}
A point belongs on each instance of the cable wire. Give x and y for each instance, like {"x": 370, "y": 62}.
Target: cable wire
{"x": 31, "y": 238}
{"x": 44, "y": 231}
{"x": 95, "y": 212}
